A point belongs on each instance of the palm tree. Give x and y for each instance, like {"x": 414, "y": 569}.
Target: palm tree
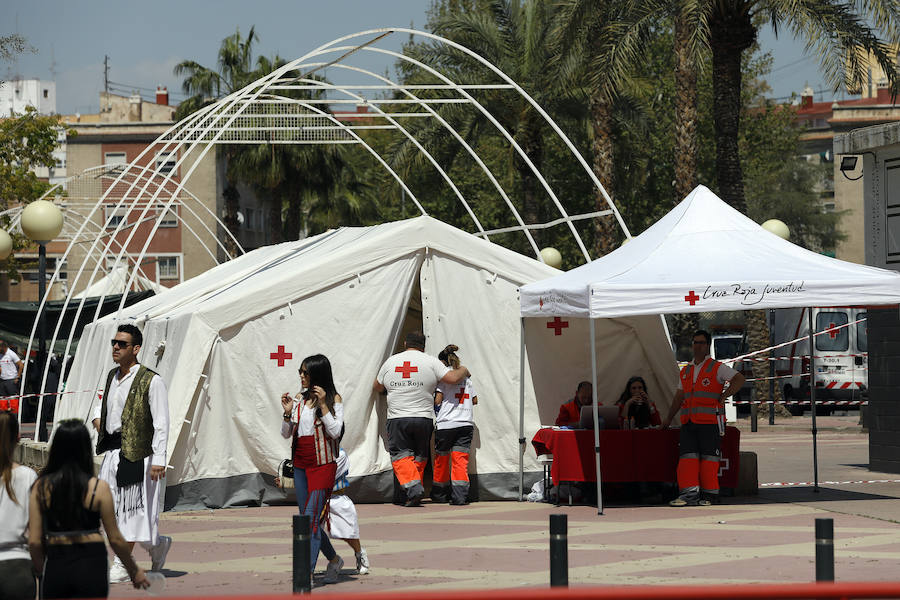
{"x": 205, "y": 86}
{"x": 517, "y": 38}
{"x": 605, "y": 39}
{"x": 286, "y": 176}
{"x": 835, "y": 30}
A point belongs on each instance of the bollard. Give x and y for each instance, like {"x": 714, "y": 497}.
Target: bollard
{"x": 559, "y": 551}
{"x": 302, "y": 574}
{"x": 824, "y": 549}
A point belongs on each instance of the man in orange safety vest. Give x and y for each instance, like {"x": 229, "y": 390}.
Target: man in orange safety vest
{"x": 705, "y": 384}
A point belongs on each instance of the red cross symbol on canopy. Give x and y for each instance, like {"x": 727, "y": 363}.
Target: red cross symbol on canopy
{"x": 832, "y": 334}
{"x": 462, "y": 395}
{"x": 557, "y": 325}
{"x": 281, "y": 356}
{"x": 691, "y": 297}
{"x": 406, "y": 370}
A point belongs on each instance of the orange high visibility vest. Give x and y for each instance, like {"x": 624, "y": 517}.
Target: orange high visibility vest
{"x": 701, "y": 397}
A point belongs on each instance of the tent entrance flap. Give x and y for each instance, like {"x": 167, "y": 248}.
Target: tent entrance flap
{"x": 412, "y": 321}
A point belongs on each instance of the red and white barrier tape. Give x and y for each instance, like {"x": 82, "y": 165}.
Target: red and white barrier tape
{"x": 20, "y": 396}
{"x": 794, "y": 341}
{"x": 818, "y": 402}
{"x": 810, "y": 483}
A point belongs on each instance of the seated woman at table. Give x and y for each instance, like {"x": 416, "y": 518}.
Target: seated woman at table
{"x": 570, "y": 412}
{"x": 636, "y": 410}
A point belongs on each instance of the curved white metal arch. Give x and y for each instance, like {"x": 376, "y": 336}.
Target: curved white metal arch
{"x": 16, "y": 212}
{"x": 421, "y": 148}
{"x": 206, "y": 127}
{"x": 471, "y": 151}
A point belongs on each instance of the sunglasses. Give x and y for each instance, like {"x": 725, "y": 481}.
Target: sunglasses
{"x": 303, "y": 372}
{"x": 120, "y": 343}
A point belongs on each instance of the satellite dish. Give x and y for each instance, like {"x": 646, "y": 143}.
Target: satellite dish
{"x": 240, "y": 218}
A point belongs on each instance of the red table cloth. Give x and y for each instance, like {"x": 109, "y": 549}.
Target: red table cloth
{"x": 632, "y": 455}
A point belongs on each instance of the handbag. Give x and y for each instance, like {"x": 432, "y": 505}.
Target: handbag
{"x": 286, "y": 474}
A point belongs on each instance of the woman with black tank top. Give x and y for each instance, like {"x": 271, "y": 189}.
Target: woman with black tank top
{"x": 67, "y": 506}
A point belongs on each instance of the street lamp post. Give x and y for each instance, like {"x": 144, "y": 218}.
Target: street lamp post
{"x": 781, "y": 230}
{"x": 41, "y": 223}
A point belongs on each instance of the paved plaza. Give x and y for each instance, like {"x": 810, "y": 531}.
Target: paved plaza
{"x": 763, "y": 539}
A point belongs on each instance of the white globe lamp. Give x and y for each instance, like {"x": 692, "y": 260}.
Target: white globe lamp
{"x": 778, "y": 228}
{"x": 5, "y": 244}
{"x": 552, "y": 257}
{"x": 41, "y": 221}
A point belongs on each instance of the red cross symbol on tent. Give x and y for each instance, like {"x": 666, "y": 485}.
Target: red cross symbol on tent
{"x": 832, "y": 334}
{"x": 691, "y": 297}
{"x": 462, "y": 395}
{"x": 281, "y": 356}
{"x": 557, "y": 325}
{"x": 406, "y": 370}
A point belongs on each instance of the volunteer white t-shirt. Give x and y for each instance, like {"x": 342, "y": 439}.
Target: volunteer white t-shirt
{"x": 411, "y": 378}
{"x": 8, "y": 362}
{"x": 15, "y": 514}
{"x": 456, "y": 408}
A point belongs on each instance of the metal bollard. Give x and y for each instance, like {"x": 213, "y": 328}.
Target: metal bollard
{"x": 824, "y": 549}
{"x": 302, "y": 575}
{"x": 559, "y": 551}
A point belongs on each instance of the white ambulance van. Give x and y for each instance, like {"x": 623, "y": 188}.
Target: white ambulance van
{"x": 841, "y": 355}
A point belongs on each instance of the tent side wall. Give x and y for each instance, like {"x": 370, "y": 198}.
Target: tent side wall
{"x": 232, "y": 450}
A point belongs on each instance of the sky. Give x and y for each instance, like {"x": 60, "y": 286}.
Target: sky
{"x": 144, "y": 41}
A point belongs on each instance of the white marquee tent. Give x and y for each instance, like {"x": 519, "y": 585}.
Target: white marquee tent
{"x": 229, "y": 342}
{"x": 116, "y": 282}
{"x": 705, "y": 256}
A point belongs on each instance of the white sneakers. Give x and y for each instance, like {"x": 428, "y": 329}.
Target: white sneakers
{"x": 333, "y": 570}
{"x": 362, "y": 562}
{"x": 118, "y": 573}
{"x": 159, "y": 552}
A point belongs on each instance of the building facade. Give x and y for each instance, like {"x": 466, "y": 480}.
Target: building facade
{"x": 877, "y": 152}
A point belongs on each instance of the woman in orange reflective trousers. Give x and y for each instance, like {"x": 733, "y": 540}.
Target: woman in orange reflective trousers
{"x": 454, "y": 426}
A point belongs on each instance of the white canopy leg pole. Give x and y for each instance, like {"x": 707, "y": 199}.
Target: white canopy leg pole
{"x": 596, "y": 420}
{"x": 812, "y": 399}
{"x": 522, "y": 411}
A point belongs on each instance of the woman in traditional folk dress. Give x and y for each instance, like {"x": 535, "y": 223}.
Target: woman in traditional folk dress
{"x": 315, "y": 423}
{"x": 67, "y": 506}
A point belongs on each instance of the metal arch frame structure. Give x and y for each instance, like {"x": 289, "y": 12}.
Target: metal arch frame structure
{"x": 85, "y": 234}
{"x": 207, "y": 127}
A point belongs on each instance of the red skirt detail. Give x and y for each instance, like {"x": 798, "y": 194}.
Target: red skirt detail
{"x": 318, "y": 477}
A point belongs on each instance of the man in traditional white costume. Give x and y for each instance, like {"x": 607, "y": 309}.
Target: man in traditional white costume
{"x": 132, "y": 423}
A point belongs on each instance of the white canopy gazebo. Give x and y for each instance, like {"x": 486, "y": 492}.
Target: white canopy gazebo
{"x": 703, "y": 256}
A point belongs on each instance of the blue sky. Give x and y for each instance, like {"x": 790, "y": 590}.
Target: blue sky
{"x": 145, "y": 40}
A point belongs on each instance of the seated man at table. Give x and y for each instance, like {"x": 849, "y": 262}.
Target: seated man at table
{"x": 570, "y": 412}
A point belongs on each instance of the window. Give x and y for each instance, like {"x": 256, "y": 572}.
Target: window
{"x": 165, "y": 162}
{"x": 170, "y": 218}
{"x": 115, "y": 158}
{"x": 828, "y": 207}
{"x": 834, "y": 340}
{"x": 168, "y": 267}
{"x": 28, "y": 267}
{"x": 114, "y": 216}
{"x": 250, "y": 221}
{"x": 46, "y": 93}
{"x": 862, "y": 333}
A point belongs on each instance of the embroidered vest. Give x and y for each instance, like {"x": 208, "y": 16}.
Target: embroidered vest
{"x": 137, "y": 420}
{"x": 701, "y": 397}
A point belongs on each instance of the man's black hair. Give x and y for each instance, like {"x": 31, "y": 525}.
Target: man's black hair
{"x": 137, "y": 338}
{"x": 705, "y": 335}
{"x": 581, "y": 385}
{"x": 415, "y": 339}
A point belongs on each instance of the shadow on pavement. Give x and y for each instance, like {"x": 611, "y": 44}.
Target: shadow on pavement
{"x": 807, "y": 494}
